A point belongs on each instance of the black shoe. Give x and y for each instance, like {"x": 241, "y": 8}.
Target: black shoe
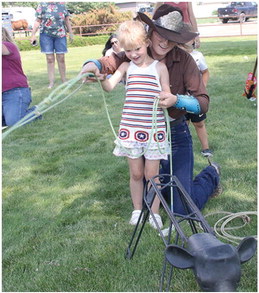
{"x": 215, "y": 165}
{"x": 219, "y": 189}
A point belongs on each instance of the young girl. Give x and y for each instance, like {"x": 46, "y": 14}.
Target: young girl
{"x": 145, "y": 79}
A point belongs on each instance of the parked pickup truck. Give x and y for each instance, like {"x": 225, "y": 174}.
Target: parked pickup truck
{"x": 241, "y": 11}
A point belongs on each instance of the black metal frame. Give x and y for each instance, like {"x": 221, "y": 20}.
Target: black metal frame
{"x": 193, "y": 216}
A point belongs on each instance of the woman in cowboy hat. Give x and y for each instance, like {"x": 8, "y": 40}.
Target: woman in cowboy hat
{"x": 188, "y": 94}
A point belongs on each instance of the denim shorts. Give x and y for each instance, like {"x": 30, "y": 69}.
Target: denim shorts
{"x": 51, "y": 45}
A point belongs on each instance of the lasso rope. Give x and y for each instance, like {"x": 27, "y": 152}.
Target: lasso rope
{"x": 54, "y": 99}
{"x": 220, "y": 225}
{"x": 48, "y": 103}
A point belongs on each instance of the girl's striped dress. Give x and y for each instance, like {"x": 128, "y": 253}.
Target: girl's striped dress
{"x": 135, "y": 133}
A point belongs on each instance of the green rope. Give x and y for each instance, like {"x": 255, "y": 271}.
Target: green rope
{"x": 48, "y": 103}
{"x": 54, "y": 99}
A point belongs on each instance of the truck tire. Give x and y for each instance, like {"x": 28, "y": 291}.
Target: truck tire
{"x": 224, "y": 20}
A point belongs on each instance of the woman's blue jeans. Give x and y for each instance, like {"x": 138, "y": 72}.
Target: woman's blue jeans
{"x": 203, "y": 185}
{"x": 15, "y": 104}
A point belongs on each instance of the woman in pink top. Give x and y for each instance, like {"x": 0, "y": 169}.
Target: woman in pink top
{"x": 16, "y": 94}
{"x": 188, "y": 16}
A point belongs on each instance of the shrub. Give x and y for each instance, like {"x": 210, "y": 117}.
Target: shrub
{"x": 106, "y": 15}
{"x": 88, "y": 41}
{"x": 25, "y": 45}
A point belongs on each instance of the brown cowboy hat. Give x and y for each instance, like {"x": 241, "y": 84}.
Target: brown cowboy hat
{"x": 168, "y": 22}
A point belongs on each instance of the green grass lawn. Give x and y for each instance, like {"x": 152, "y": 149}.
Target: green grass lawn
{"x": 66, "y": 202}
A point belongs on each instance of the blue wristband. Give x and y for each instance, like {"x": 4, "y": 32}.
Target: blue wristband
{"x": 96, "y": 62}
{"x": 188, "y": 103}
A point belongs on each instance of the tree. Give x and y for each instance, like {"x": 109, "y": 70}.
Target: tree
{"x": 20, "y": 4}
{"x": 96, "y": 19}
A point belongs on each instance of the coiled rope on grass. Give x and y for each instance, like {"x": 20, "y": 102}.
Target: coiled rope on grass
{"x": 220, "y": 225}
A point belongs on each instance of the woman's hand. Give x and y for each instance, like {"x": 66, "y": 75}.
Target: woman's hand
{"x": 116, "y": 47}
{"x": 33, "y": 39}
{"x": 91, "y": 68}
{"x": 71, "y": 37}
{"x": 36, "y": 26}
{"x": 166, "y": 100}
{"x": 197, "y": 42}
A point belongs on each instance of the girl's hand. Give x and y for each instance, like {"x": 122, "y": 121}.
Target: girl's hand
{"x": 166, "y": 100}
{"x": 91, "y": 68}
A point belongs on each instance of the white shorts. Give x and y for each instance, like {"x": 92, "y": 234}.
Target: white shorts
{"x": 149, "y": 153}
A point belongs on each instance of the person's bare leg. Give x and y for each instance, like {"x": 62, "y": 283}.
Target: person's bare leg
{"x": 151, "y": 170}
{"x": 202, "y": 134}
{"x": 61, "y": 66}
{"x": 136, "y": 167}
{"x": 51, "y": 69}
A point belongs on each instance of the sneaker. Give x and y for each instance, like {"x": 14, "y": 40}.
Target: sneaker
{"x": 165, "y": 231}
{"x": 215, "y": 165}
{"x": 50, "y": 85}
{"x": 158, "y": 219}
{"x": 134, "y": 217}
{"x": 207, "y": 153}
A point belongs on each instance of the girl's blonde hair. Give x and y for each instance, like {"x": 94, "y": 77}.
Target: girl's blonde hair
{"x": 6, "y": 36}
{"x": 132, "y": 33}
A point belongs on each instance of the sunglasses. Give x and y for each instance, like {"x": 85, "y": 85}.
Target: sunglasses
{"x": 115, "y": 42}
